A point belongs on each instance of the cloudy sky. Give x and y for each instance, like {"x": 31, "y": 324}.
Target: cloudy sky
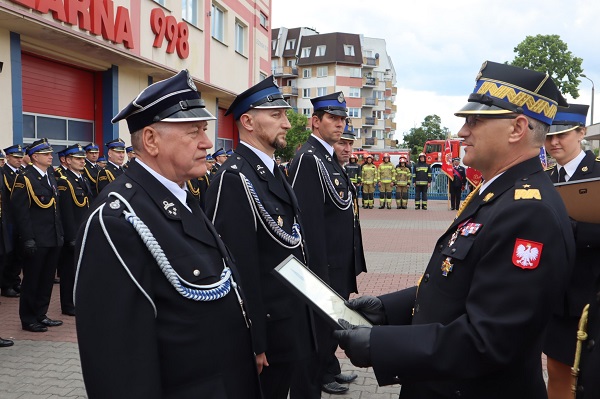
{"x": 437, "y": 47}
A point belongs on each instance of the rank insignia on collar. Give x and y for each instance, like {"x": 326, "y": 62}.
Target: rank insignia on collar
{"x": 115, "y": 204}
{"x": 328, "y": 158}
{"x": 279, "y": 221}
{"x": 258, "y": 167}
{"x": 488, "y": 197}
{"x": 233, "y": 166}
{"x": 526, "y": 254}
{"x": 447, "y": 267}
{"x": 584, "y": 169}
{"x": 170, "y": 208}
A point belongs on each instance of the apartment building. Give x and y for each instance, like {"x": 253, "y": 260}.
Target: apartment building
{"x": 69, "y": 66}
{"x": 308, "y": 64}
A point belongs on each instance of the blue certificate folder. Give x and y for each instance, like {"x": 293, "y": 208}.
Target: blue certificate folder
{"x": 582, "y": 199}
{"x": 316, "y": 293}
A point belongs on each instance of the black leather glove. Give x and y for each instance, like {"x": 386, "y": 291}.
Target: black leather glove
{"x": 356, "y": 342}
{"x": 29, "y": 247}
{"x": 371, "y": 307}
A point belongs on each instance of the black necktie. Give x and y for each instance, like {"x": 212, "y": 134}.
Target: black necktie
{"x": 561, "y": 175}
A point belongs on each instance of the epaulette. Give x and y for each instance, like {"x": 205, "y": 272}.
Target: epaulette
{"x": 235, "y": 164}
{"x": 525, "y": 192}
{"x": 113, "y": 205}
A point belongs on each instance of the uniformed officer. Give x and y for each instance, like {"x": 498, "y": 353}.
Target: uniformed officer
{"x": 422, "y": 182}
{"x": 159, "y": 308}
{"x": 114, "y": 166}
{"x": 457, "y": 184}
{"x": 130, "y": 156}
{"x": 475, "y": 327}
{"x": 101, "y": 163}
{"x": 92, "y": 152}
{"x": 402, "y": 178}
{"x": 563, "y": 143}
{"x": 250, "y": 187}
{"x": 59, "y": 171}
{"x": 385, "y": 177}
{"x": 2, "y": 158}
{"x": 11, "y": 276}
{"x": 369, "y": 180}
{"x": 325, "y": 195}
{"x": 75, "y": 193}
{"x": 34, "y": 200}
{"x": 219, "y": 157}
{"x": 5, "y": 237}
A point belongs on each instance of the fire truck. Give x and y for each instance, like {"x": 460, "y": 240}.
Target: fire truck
{"x": 434, "y": 155}
{"x": 378, "y": 155}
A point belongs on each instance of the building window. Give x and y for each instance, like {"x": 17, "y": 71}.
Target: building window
{"x": 321, "y": 91}
{"x": 305, "y": 52}
{"x": 290, "y": 44}
{"x": 262, "y": 77}
{"x": 218, "y": 23}
{"x": 354, "y": 92}
{"x": 240, "y": 37}
{"x": 357, "y": 133}
{"x": 378, "y": 94}
{"x": 291, "y": 63}
{"x": 378, "y": 114}
{"x": 189, "y": 11}
{"x": 321, "y": 71}
{"x": 355, "y": 73}
{"x": 306, "y": 93}
{"x": 274, "y": 64}
{"x": 354, "y": 112}
{"x": 226, "y": 144}
{"x": 348, "y": 49}
{"x": 378, "y": 134}
{"x": 320, "y": 51}
{"x": 273, "y": 44}
{"x": 263, "y": 20}
{"x": 368, "y": 53}
{"x": 306, "y": 111}
{"x": 306, "y": 73}
{"x": 161, "y": 2}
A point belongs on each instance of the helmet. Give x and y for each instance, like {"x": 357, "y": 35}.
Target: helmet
{"x": 403, "y": 159}
{"x": 353, "y": 155}
{"x": 368, "y": 156}
{"x": 421, "y": 155}
{"x": 386, "y": 155}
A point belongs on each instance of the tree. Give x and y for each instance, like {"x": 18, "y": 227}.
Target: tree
{"x": 296, "y": 136}
{"x": 549, "y": 54}
{"x": 430, "y": 129}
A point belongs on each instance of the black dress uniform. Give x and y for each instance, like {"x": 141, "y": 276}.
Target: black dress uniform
{"x": 457, "y": 184}
{"x": 91, "y": 169}
{"x": 560, "y": 339}
{"x": 154, "y": 330}
{"x": 111, "y": 171}
{"x": 75, "y": 193}
{"x": 215, "y": 169}
{"x": 34, "y": 201}
{"x": 588, "y": 384}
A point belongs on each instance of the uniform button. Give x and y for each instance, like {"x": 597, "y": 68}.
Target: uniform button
{"x": 196, "y": 272}
{"x": 417, "y": 308}
{"x": 440, "y": 247}
{"x": 128, "y": 185}
{"x": 268, "y": 315}
{"x": 426, "y": 278}
{"x": 590, "y": 345}
{"x": 277, "y": 209}
{"x": 453, "y": 250}
{"x": 396, "y": 378}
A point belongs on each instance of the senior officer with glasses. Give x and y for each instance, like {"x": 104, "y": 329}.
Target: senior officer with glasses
{"x": 563, "y": 143}
{"x": 474, "y": 326}
{"x": 159, "y": 308}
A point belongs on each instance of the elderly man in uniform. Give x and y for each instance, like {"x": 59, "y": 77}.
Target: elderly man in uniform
{"x": 159, "y": 309}
{"x": 75, "y": 193}
{"x": 563, "y": 143}
{"x": 114, "y": 166}
{"x": 92, "y": 152}
{"x": 249, "y": 187}
{"x": 11, "y": 277}
{"x": 326, "y": 198}
{"x": 34, "y": 201}
{"x": 474, "y": 327}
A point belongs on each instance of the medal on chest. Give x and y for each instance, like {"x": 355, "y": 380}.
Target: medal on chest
{"x": 464, "y": 229}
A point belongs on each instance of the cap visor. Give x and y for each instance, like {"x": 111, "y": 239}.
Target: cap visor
{"x": 558, "y": 129}
{"x": 337, "y": 112}
{"x": 190, "y": 115}
{"x": 481, "y": 109}
{"x": 278, "y": 103}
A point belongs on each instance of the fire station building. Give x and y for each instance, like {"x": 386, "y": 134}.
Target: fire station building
{"x": 68, "y": 66}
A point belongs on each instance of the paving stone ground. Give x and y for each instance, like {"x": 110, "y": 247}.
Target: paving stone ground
{"x": 397, "y": 242}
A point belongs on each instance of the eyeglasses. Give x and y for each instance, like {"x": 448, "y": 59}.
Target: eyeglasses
{"x": 471, "y": 120}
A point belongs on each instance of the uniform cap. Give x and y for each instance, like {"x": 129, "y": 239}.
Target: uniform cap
{"x": 456, "y": 159}
{"x": 504, "y": 89}
{"x": 348, "y": 133}
{"x": 129, "y": 149}
{"x": 209, "y": 158}
{"x": 74, "y": 150}
{"x": 218, "y": 153}
{"x": 229, "y": 153}
{"x": 2, "y": 156}
{"x": 334, "y": 104}
{"x": 92, "y": 147}
{"x": 265, "y": 94}
{"x": 116, "y": 145}
{"x": 171, "y": 100}
{"x": 15, "y": 150}
{"x": 569, "y": 118}
{"x": 40, "y": 146}
{"x": 102, "y": 159}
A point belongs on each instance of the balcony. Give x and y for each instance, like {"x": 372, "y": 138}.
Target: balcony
{"x": 369, "y": 81}
{"x": 289, "y": 90}
{"x": 370, "y": 102}
{"x": 367, "y": 142}
{"x": 285, "y": 71}
{"x": 368, "y": 121}
{"x": 370, "y": 62}
{"x": 388, "y": 104}
{"x": 394, "y": 90}
{"x": 388, "y": 84}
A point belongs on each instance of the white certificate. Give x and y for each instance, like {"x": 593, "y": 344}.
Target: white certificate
{"x": 316, "y": 293}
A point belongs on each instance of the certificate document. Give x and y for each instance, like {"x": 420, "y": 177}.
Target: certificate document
{"x": 316, "y": 293}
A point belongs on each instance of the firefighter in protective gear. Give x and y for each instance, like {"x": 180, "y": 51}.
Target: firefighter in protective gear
{"x": 353, "y": 170}
{"x": 369, "y": 179}
{"x": 385, "y": 176}
{"x": 402, "y": 177}
{"x": 422, "y": 181}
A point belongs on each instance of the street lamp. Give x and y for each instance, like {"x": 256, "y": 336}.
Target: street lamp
{"x": 583, "y": 76}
